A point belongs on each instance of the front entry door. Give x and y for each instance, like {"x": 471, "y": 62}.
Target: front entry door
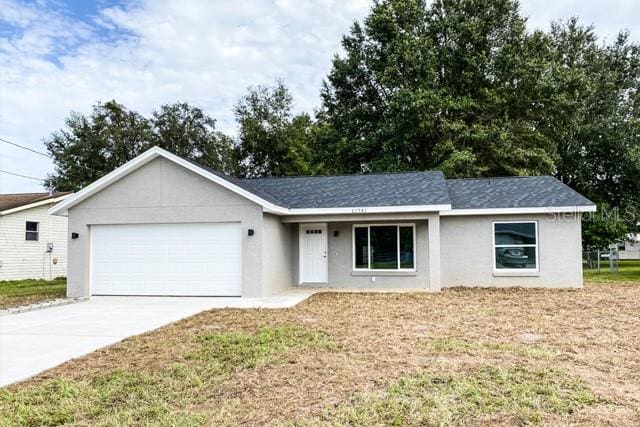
{"x": 313, "y": 253}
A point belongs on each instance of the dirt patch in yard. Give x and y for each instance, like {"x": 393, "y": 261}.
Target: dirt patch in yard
{"x": 478, "y": 356}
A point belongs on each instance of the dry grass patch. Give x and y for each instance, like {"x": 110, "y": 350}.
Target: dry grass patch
{"x": 572, "y": 349}
{"x": 454, "y": 345}
{"x": 450, "y": 398}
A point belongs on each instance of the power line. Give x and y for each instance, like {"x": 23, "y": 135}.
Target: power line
{"x": 22, "y": 176}
{"x": 25, "y": 148}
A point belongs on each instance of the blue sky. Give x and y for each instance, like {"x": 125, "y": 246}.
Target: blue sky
{"x": 60, "y": 56}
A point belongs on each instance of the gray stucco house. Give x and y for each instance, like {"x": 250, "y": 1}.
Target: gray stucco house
{"x": 162, "y": 225}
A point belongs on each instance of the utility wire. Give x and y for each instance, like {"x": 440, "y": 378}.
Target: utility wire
{"x": 22, "y": 176}
{"x": 25, "y": 148}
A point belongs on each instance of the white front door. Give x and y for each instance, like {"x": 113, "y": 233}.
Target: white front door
{"x": 313, "y": 253}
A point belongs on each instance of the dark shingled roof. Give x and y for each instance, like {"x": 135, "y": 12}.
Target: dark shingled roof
{"x": 410, "y": 189}
{"x": 10, "y": 201}
{"x": 513, "y": 192}
{"x": 364, "y": 190}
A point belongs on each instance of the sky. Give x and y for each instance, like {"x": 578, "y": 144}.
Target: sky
{"x": 60, "y": 56}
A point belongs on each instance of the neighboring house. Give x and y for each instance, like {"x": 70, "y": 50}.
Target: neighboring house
{"x": 33, "y": 244}
{"x": 630, "y": 248}
{"x": 162, "y": 225}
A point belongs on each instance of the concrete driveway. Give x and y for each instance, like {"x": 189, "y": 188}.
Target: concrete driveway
{"x": 35, "y": 341}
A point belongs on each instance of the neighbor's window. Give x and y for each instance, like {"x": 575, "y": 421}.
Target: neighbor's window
{"x": 384, "y": 247}
{"x": 31, "y": 230}
{"x": 516, "y": 245}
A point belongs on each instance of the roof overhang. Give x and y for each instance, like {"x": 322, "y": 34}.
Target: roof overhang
{"x": 35, "y": 204}
{"x": 521, "y": 211}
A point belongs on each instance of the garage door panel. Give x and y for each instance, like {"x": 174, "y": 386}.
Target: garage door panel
{"x": 166, "y": 259}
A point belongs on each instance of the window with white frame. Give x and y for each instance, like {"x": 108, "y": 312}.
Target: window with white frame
{"x": 32, "y": 229}
{"x": 384, "y": 247}
{"x": 515, "y": 245}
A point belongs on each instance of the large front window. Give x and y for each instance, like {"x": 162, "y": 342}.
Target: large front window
{"x": 516, "y": 245}
{"x": 384, "y": 247}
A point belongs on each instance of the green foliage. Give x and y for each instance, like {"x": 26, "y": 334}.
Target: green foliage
{"x": 451, "y": 399}
{"x": 272, "y": 141}
{"x": 91, "y": 146}
{"x": 448, "y": 85}
{"x": 228, "y": 351}
{"x": 602, "y": 228}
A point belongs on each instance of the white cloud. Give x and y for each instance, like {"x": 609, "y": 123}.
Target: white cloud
{"x": 205, "y": 52}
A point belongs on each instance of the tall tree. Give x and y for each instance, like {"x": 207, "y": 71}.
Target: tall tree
{"x": 272, "y": 141}
{"x": 91, "y": 146}
{"x": 187, "y": 131}
{"x": 594, "y": 117}
{"x": 449, "y": 84}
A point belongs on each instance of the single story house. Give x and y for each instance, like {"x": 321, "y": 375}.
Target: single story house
{"x": 163, "y": 225}
{"x": 33, "y": 244}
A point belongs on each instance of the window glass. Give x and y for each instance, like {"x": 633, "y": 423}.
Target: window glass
{"x": 516, "y": 233}
{"x": 384, "y": 247}
{"x": 516, "y": 245}
{"x": 406, "y": 247}
{"x": 31, "y": 231}
{"x": 361, "y": 247}
{"x": 516, "y": 257}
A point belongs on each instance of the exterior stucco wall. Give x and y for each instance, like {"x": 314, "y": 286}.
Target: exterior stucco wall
{"x": 467, "y": 252}
{"x": 340, "y": 259}
{"x": 277, "y": 271}
{"x": 162, "y": 192}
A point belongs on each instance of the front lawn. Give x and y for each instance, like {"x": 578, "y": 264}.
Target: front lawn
{"x": 17, "y": 292}
{"x": 463, "y": 356}
{"x": 628, "y": 271}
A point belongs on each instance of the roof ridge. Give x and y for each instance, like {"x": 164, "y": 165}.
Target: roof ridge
{"x": 489, "y": 178}
{"x": 342, "y": 174}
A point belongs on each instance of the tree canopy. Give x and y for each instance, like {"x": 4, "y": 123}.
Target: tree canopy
{"x": 462, "y": 86}
{"x": 92, "y": 146}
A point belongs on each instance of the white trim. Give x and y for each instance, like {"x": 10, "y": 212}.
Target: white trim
{"x": 35, "y": 204}
{"x": 368, "y": 210}
{"x": 325, "y": 231}
{"x": 515, "y": 271}
{"x": 511, "y": 211}
{"x": 146, "y": 157}
{"x": 373, "y": 270}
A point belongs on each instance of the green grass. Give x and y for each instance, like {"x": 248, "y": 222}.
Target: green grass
{"x": 629, "y": 271}
{"x": 117, "y": 398}
{"x": 16, "y": 292}
{"x": 241, "y": 350}
{"x": 173, "y": 396}
{"x": 445, "y": 398}
{"x": 454, "y": 345}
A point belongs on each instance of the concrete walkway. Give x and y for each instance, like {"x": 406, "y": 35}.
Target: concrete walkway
{"x": 35, "y": 341}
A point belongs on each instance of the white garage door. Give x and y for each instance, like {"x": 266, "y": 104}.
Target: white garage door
{"x": 166, "y": 259}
